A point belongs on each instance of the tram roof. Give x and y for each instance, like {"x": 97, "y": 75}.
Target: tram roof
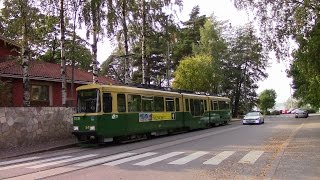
{"x": 138, "y": 90}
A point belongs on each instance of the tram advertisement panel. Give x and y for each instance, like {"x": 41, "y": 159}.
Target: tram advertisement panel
{"x": 146, "y": 117}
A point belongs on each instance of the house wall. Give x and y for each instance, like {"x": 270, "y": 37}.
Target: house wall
{"x": 17, "y": 95}
{"x": 25, "y": 126}
{"x": 55, "y": 92}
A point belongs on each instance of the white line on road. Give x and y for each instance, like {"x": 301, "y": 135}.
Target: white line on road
{"x": 114, "y": 163}
{"x": 35, "y": 162}
{"x": 189, "y": 158}
{"x": 18, "y": 160}
{"x": 157, "y": 159}
{"x": 219, "y": 158}
{"x": 251, "y": 157}
{"x": 103, "y": 160}
{"x": 62, "y": 161}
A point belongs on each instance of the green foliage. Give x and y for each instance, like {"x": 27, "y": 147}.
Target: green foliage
{"x": 188, "y": 36}
{"x": 77, "y": 52}
{"x": 195, "y": 73}
{"x": 281, "y": 20}
{"x": 244, "y": 66}
{"x": 305, "y": 70}
{"x": 267, "y": 99}
{"x": 39, "y": 25}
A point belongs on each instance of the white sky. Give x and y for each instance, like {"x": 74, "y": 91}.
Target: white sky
{"x": 224, "y": 10}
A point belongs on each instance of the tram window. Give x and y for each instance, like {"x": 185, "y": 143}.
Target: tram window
{"x": 205, "y": 105}
{"x": 121, "y": 98}
{"x": 223, "y": 105}
{"x": 201, "y": 107}
{"x": 107, "y": 102}
{"x": 187, "y": 105}
{"x": 134, "y": 103}
{"x": 158, "y": 104}
{"x": 197, "y": 107}
{"x": 169, "y": 104}
{"x": 177, "y": 104}
{"x": 215, "y": 105}
{"x": 192, "y": 107}
{"x": 147, "y": 103}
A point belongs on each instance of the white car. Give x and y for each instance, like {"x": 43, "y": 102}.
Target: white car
{"x": 254, "y": 117}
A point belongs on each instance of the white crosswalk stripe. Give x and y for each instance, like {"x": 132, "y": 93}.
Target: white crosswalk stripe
{"x": 114, "y": 163}
{"x": 103, "y": 160}
{"x": 219, "y": 158}
{"x": 18, "y": 160}
{"x": 158, "y": 159}
{"x": 189, "y": 158}
{"x": 251, "y": 157}
{"x": 62, "y": 161}
{"x": 34, "y": 162}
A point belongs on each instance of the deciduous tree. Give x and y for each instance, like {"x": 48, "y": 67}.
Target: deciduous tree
{"x": 267, "y": 99}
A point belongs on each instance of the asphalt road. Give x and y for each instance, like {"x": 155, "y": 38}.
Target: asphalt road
{"x": 282, "y": 148}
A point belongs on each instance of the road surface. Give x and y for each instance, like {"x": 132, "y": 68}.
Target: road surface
{"x": 282, "y": 148}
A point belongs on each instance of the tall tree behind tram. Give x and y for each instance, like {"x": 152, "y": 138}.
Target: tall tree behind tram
{"x": 143, "y": 48}
{"x": 25, "y": 55}
{"x": 93, "y": 16}
{"x": 63, "y": 59}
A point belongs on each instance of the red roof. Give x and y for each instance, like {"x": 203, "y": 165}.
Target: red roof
{"x": 49, "y": 72}
{"x": 8, "y": 47}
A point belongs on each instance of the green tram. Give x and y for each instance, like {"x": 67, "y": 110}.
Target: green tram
{"x": 118, "y": 113}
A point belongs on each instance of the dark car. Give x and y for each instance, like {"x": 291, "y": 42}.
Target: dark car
{"x": 300, "y": 113}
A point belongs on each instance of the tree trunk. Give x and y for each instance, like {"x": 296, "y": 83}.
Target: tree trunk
{"x": 95, "y": 42}
{"x": 143, "y": 48}
{"x": 125, "y": 34}
{"x": 25, "y": 56}
{"x": 73, "y": 42}
{"x": 63, "y": 60}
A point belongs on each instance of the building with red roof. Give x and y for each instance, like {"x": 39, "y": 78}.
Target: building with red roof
{"x": 45, "y": 79}
{"x": 45, "y": 82}
{"x": 8, "y": 49}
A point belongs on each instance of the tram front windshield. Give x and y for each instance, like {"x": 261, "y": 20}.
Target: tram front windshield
{"x": 88, "y": 101}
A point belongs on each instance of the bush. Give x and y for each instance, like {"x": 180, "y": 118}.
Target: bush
{"x": 275, "y": 112}
{"x": 311, "y": 111}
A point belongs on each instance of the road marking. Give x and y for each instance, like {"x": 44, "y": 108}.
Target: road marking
{"x": 251, "y": 157}
{"x": 61, "y": 161}
{"x": 35, "y": 162}
{"x": 113, "y": 163}
{"x": 104, "y": 159}
{"x": 189, "y": 158}
{"x": 219, "y": 158}
{"x": 157, "y": 159}
{"x": 18, "y": 160}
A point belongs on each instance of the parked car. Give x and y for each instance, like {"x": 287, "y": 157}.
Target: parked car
{"x": 254, "y": 117}
{"x": 300, "y": 113}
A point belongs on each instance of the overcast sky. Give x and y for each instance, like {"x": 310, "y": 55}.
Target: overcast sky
{"x": 224, "y": 10}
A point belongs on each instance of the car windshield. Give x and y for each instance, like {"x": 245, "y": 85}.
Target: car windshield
{"x": 253, "y": 114}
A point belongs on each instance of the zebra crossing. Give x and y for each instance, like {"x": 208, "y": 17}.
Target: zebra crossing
{"x": 135, "y": 159}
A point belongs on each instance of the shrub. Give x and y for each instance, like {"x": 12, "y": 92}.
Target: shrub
{"x": 275, "y": 112}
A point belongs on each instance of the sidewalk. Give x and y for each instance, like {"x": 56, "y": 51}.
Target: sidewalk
{"x": 46, "y": 146}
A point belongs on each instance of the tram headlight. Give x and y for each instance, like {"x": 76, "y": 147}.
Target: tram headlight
{"x": 92, "y": 128}
{"x": 76, "y": 128}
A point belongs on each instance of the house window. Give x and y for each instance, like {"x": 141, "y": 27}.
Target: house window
{"x": 40, "y": 93}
